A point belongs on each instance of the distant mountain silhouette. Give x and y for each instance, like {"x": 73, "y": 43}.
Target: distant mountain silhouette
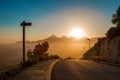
{"x": 54, "y": 38}
{"x": 26, "y": 41}
{"x": 51, "y": 38}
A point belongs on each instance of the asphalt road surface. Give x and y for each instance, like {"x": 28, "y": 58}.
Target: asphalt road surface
{"x": 84, "y": 70}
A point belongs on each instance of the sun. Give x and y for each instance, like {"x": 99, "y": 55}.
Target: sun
{"x": 77, "y": 33}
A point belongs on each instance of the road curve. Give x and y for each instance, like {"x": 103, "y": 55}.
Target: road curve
{"x": 84, "y": 70}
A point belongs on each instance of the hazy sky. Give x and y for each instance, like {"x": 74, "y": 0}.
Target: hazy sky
{"x": 54, "y": 17}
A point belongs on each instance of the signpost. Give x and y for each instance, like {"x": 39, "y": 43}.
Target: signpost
{"x": 23, "y": 24}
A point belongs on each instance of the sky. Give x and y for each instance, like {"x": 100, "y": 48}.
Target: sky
{"x": 54, "y": 17}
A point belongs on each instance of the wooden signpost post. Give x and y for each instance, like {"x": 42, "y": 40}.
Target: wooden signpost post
{"x": 23, "y": 24}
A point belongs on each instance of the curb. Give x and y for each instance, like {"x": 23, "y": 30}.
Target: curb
{"x": 49, "y": 72}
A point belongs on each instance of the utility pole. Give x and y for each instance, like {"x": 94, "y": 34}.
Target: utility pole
{"x": 89, "y": 42}
{"x": 23, "y": 24}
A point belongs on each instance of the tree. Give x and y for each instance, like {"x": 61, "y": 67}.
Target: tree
{"x": 39, "y": 52}
{"x": 45, "y": 47}
{"x": 115, "y": 31}
{"x": 116, "y": 18}
{"x": 112, "y": 32}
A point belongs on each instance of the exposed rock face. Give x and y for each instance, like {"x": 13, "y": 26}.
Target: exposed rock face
{"x": 105, "y": 49}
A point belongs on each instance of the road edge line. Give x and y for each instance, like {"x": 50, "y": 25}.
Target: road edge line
{"x": 49, "y": 72}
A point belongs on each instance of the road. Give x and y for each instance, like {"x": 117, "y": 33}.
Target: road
{"x": 84, "y": 70}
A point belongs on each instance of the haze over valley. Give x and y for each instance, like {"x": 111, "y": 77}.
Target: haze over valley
{"x": 62, "y": 46}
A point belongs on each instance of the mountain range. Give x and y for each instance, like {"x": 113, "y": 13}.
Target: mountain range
{"x": 64, "y": 46}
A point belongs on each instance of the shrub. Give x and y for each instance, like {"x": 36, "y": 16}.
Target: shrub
{"x": 38, "y": 53}
{"x": 112, "y": 32}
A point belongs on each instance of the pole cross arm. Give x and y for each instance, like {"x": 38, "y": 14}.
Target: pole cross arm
{"x": 26, "y": 24}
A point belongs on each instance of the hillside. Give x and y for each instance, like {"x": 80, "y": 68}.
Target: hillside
{"x": 105, "y": 49}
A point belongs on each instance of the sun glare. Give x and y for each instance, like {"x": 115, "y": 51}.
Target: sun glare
{"x": 77, "y": 33}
